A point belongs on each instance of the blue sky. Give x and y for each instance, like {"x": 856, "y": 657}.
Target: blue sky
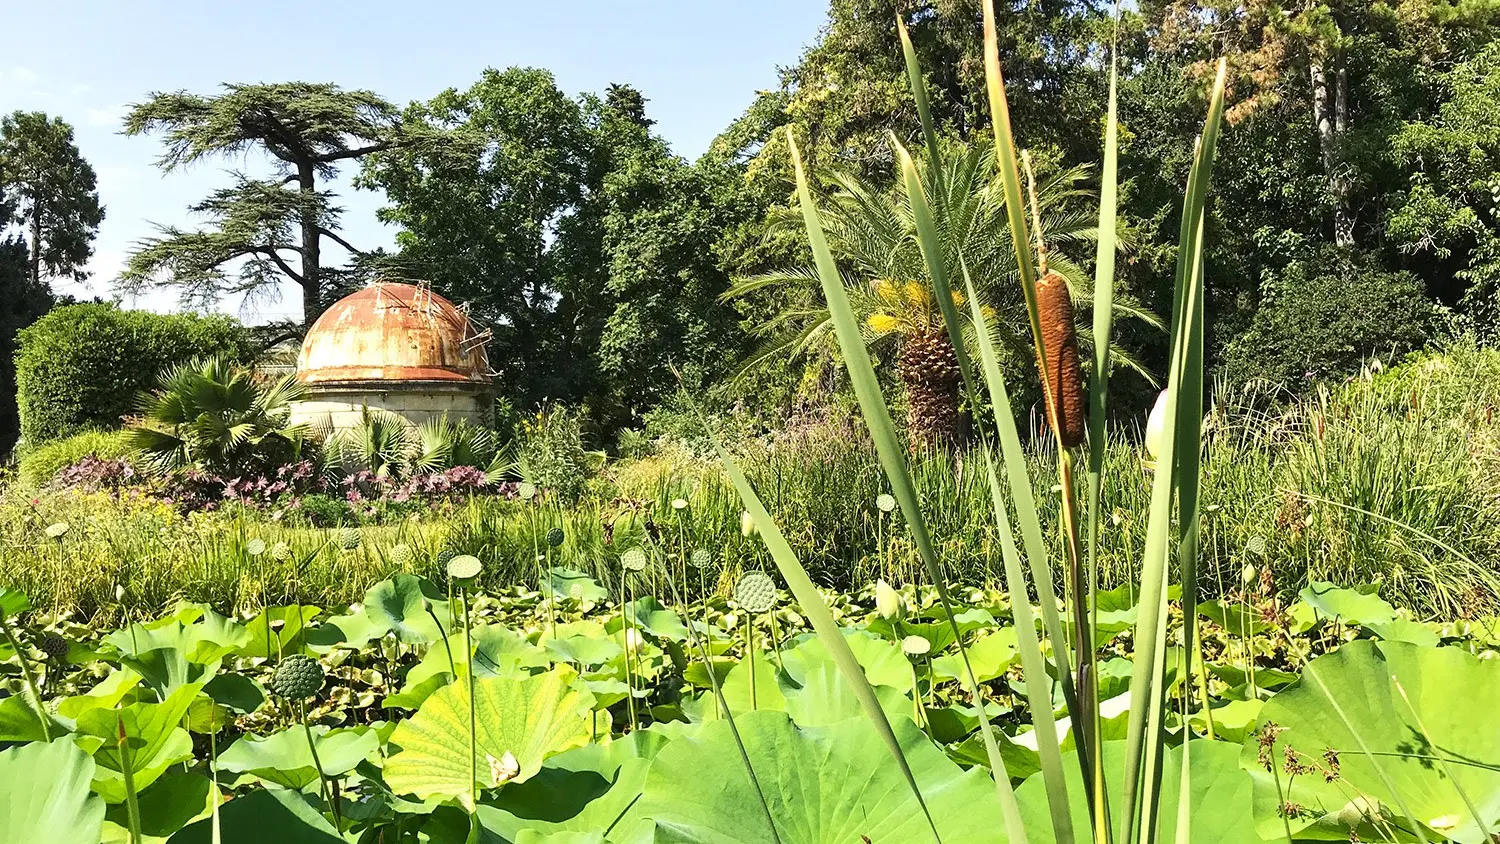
{"x": 699, "y": 62}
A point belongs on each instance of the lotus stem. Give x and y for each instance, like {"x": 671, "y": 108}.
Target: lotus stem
{"x": 312, "y": 748}
{"x": 132, "y": 805}
{"x": 463, "y": 597}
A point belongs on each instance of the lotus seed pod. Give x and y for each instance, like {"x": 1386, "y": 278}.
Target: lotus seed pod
{"x": 54, "y": 646}
{"x": 281, "y": 552}
{"x": 298, "y": 677}
{"x": 634, "y": 559}
{"x": 464, "y": 567}
{"x": 747, "y": 523}
{"x": 446, "y": 556}
{"x": 57, "y": 529}
{"x": 1256, "y": 546}
{"x": 527, "y": 491}
{"x": 888, "y": 602}
{"x": 885, "y": 502}
{"x": 402, "y": 555}
{"x": 555, "y": 537}
{"x": 1062, "y": 375}
{"x": 255, "y": 547}
{"x": 914, "y": 646}
{"x": 755, "y": 592}
{"x": 679, "y": 504}
{"x": 349, "y": 538}
{"x": 700, "y": 558}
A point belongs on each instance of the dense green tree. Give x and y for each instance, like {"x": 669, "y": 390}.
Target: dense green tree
{"x": 54, "y": 197}
{"x": 488, "y": 215}
{"x": 661, "y": 220}
{"x": 260, "y": 231}
{"x": 572, "y": 232}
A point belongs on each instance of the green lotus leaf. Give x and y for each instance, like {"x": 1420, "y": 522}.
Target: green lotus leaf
{"x": 279, "y": 632}
{"x": 532, "y": 718}
{"x": 736, "y": 689}
{"x": 261, "y": 816}
{"x": 396, "y": 606}
{"x": 13, "y": 601}
{"x": 44, "y": 795}
{"x": 1451, "y": 725}
{"x": 172, "y": 802}
{"x": 820, "y": 695}
{"x": 1219, "y": 799}
{"x": 649, "y": 615}
{"x": 588, "y": 790}
{"x": 822, "y": 784}
{"x": 155, "y": 741}
{"x": 21, "y": 721}
{"x": 990, "y": 655}
{"x": 284, "y": 758}
{"x": 882, "y": 660}
{"x": 1234, "y": 617}
{"x": 582, "y": 643}
{"x": 570, "y": 583}
{"x": 1359, "y": 606}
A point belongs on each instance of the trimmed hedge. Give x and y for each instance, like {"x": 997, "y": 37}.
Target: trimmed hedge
{"x": 81, "y": 367}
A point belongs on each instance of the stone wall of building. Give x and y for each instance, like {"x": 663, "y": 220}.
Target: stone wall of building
{"x": 342, "y": 408}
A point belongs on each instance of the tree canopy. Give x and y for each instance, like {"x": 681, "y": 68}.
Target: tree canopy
{"x": 53, "y": 194}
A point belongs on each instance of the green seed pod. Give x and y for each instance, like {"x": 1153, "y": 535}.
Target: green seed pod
{"x": 885, "y": 502}
{"x": 634, "y": 559}
{"x": 555, "y": 537}
{"x": 915, "y": 646}
{"x": 700, "y": 558}
{"x": 255, "y": 547}
{"x": 755, "y": 592}
{"x": 464, "y": 567}
{"x": 281, "y": 552}
{"x": 402, "y": 555}
{"x": 527, "y": 491}
{"x": 298, "y": 677}
{"x": 1062, "y": 374}
{"x": 445, "y": 556}
{"x": 349, "y": 538}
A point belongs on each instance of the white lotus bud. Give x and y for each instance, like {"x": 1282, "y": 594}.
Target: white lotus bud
{"x": 888, "y": 602}
{"x": 1155, "y": 423}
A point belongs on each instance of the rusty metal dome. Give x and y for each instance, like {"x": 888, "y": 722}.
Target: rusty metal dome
{"x": 393, "y": 332}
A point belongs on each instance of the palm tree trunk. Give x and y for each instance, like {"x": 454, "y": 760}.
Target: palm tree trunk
{"x": 928, "y": 368}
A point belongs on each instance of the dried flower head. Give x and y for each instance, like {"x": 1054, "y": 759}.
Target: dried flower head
{"x": 1062, "y": 374}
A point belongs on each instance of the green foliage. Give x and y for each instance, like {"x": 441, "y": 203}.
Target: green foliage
{"x": 306, "y": 130}
{"x": 54, "y": 192}
{"x": 82, "y": 366}
{"x": 39, "y": 465}
{"x": 21, "y": 304}
{"x": 550, "y": 453}
{"x": 215, "y": 415}
{"x": 44, "y": 794}
{"x": 1323, "y": 317}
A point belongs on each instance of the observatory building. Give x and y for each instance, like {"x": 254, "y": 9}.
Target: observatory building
{"x": 395, "y": 347}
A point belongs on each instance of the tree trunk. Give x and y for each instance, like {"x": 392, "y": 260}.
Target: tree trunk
{"x": 1331, "y": 120}
{"x": 312, "y": 294}
{"x": 36, "y": 246}
{"x": 928, "y": 367}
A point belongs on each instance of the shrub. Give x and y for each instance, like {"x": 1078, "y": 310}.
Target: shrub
{"x": 551, "y": 455}
{"x": 41, "y": 464}
{"x": 81, "y": 366}
{"x": 1326, "y": 315}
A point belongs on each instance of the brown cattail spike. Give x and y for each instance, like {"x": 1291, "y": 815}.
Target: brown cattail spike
{"x": 1062, "y": 376}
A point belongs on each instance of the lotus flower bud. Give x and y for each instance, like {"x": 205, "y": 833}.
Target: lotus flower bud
{"x": 747, "y": 523}
{"x": 1155, "y": 423}
{"x": 888, "y": 602}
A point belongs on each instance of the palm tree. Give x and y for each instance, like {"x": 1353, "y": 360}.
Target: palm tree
{"x": 873, "y": 234}
{"x": 218, "y": 416}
